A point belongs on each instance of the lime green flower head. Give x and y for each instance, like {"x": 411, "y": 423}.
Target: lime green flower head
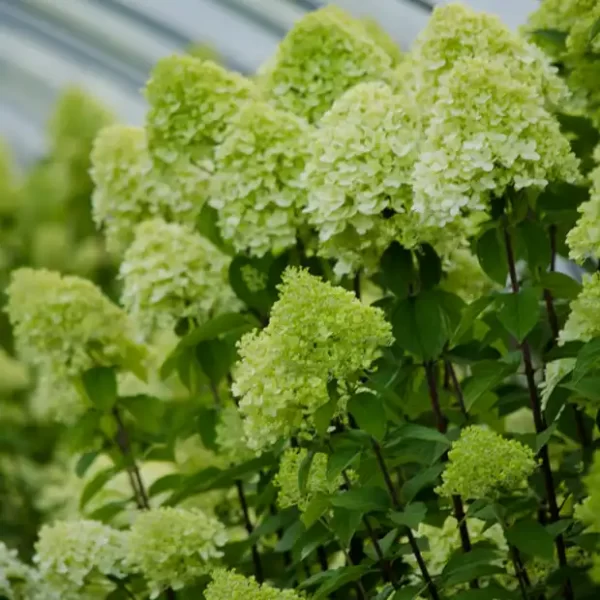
{"x": 589, "y": 511}
{"x": 257, "y": 188}
{"x": 228, "y": 585}
{"x": 129, "y": 189}
{"x": 230, "y": 436}
{"x": 191, "y": 103}
{"x": 584, "y": 239}
{"x": 75, "y": 557}
{"x": 383, "y": 39}
{"x": 456, "y": 31}
{"x": 287, "y": 482}
{"x": 16, "y": 578}
{"x": 325, "y": 53}
{"x": 360, "y": 167}
{"x": 170, "y": 273}
{"x": 56, "y": 398}
{"x": 317, "y": 333}
{"x": 483, "y": 464}
{"x": 584, "y": 319}
{"x": 488, "y": 132}
{"x": 171, "y": 547}
{"x": 65, "y": 322}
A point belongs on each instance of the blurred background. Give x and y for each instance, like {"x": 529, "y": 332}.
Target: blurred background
{"x": 107, "y": 47}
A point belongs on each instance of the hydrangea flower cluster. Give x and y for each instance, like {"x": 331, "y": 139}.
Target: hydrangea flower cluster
{"x": 171, "y": 547}
{"x": 65, "y": 323}
{"x": 16, "y": 578}
{"x": 55, "y": 397}
{"x": 456, "y": 31}
{"x": 584, "y": 239}
{"x": 584, "y": 319}
{"x": 489, "y": 131}
{"x": 74, "y": 557}
{"x": 228, "y": 585}
{"x": 257, "y": 188}
{"x": 359, "y": 175}
{"x": 191, "y": 104}
{"x": 326, "y": 53}
{"x": 129, "y": 189}
{"x": 230, "y": 437}
{"x": 483, "y": 464}
{"x": 316, "y": 333}
{"x": 464, "y": 276}
{"x": 286, "y": 480}
{"x": 169, "y": 273}
{"x": 589, "y": 511}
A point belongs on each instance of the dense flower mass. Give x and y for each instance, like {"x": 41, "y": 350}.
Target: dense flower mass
{"x": 74, "y": 558}
{"x": 129, "y": 189}
{"x": 257, "y": 188}
{"x": 191, "y": 104}
{"x": 584, "y": 239}
{"x": 488, "y": 132}
{"x": 65, "y": 323}
{"x": 287, "y": 479}
{"x": 170, "y": 273}
{"x": 16, "y": 578}
{"x": 361, "y": 158}
{"x": 455, "y": 31}
{"x": 325, "y": 53}
{"x": 464, "y": 276}
{"x": 317, "y": 333}
{"x": 171, "y": 547}
{"x": 230, "y": 437}
{"x": 483, "y": 464}
{"x": 228, "y": 585}
{"x": 584, "y": 320}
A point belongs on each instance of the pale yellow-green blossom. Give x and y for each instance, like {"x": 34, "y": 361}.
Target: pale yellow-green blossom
{"x": 74, "y": 558}
{"x": 230, "y": 437}
{"x": 317, "y": 333}
{"x": 56, "y": 398}
{"x": 589, "y": 511}
{"x": 359, "y": 175}
{"x": 488, "y": 132}
{"x": 228, "y": 585}
{"x": 129, "y": 189}
{"x": 191, "y": 103}
{"x": 172, "y": 547}
{"x": 287, "y": 482}
{"x": 326, "y": 53}
{"x": 255, "y": 280}
{"x": 464, "y": 276}
{"x": 483, "y": 464}
{"x": 169, "y": 273}
{"x": 257, "y": 187}
{"x": 584, "y": 239}
{"x": 65, "y": 323}
{"x": 16, "y": 578}
{"x": 583, "y": 322}
{"x": 383, "y": 39}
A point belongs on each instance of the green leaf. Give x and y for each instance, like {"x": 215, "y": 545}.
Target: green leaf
{"x": 344, "y": 524}
{"x": 109, "y": 511}
{"x": 463, "y": 567}
{"x": 216, "y": 357}
{"x": 310, "y": 540}
{"x": 469, "y": 315}
{"x": 323, "y": 415}
{"x": 290, "y": 537}
{"x": 100, "y": 384}
{"x": 369, "y": 413}
{"x": 491, "y": 591}
{"x": 260, "y": 299}
{"x": 557, "y": 528}
{"x": 485, "y": 377}
{"x": 430, "y": 267}
{"x": 95, "y": 485}
{"x": 541, "y": 439}
{"x": 421, "y": 480}
{"x": 410, "y": 592}
{"x": 519, "y": 313}
{"x": 560, "y": 285}
{"x": 411, "y": 516}
{"x": 207, "y": 227}
{"x": 337, "y": 578}
{"x": 363, "y": 499}
{"x": 588, "y": 359}
{"x": 537, "y": 244}
{"x": 207, "y": 420}
{"x": 420, "y": 325}
{"x": 555, "y": 36}
{"x": 304, "y": 470}
{"x": 342, "y": 458}
{"x": 398, "y": 271}
{"x": 492, "y": 256}
{"x": 420, "y": 432}
{"x": 165, "y": 483}
{"x": 588, "y": 387}
{"x": 85, "y": 462}
{"x": 594, "y": 31}
{"x": 148, "y": 412}
{"x": 531, "y": 538}
{"x": 315, "y": 510}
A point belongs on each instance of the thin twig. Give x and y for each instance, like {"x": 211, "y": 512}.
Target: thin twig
{"x": 258, "y": 570}
{"x": 457, "y": 388}
{"x": 539, "y": 421}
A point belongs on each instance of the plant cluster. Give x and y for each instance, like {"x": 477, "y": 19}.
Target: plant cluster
{"x": 338, "y": 355}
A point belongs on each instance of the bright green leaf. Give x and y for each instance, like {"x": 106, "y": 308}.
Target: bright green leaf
{"x": 369, "y": 413}
{"x": 397, "y": 270}
{"x": 531, "y": 538}
{"x": 423, "y": 479}
{"x": 519, "y": 313}
{"x": 492, "y": 256}
{"x": 411, "y": 516}
{"x": 560, "y": 285}
{"x": 100, "y": 384}
{"x": 363, "y": 499}
{"x": 85, "y": 462}
{"x": 430, "y": 266}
